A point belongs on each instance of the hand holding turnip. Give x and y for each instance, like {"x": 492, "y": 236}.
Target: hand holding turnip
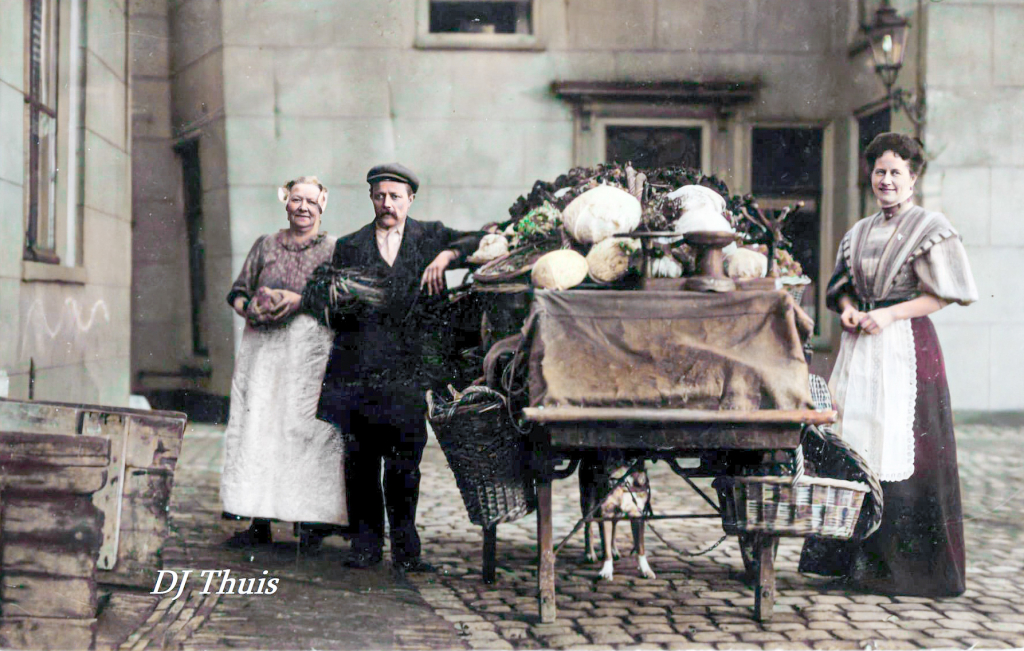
{"x": 264, "y": 306}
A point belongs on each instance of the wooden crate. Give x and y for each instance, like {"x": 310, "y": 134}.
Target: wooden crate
{"x": 50, "y": 534}
{"x": 144, "y": 448}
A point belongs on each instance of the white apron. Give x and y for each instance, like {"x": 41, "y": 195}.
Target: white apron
{"x": 875, "y": 385}
{"x": 279, "y": 460}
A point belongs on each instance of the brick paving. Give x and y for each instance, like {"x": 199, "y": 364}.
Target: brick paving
{"x": 695, "y": 602}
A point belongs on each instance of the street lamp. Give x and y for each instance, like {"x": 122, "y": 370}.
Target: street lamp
{"x": 888, "y": 38}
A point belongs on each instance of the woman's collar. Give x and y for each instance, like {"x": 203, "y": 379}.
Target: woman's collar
{"x": 897, "y": 210}
{"x": 288, "y": 244}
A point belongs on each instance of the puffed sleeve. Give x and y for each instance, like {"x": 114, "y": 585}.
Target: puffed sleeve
{"x": 945, "y": 272}
{"x": 841, "y": 281}
{"x": 248, "y": 279}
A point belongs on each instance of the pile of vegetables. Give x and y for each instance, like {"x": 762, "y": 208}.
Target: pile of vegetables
{"x": 541, "y": 217}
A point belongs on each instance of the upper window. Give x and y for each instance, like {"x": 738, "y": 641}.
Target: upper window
{"x": 41, "y": 106}
{"x": 497, "y": 24}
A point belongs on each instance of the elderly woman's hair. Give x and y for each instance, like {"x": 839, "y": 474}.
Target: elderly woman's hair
{"x": 285, "y": 190}
{"x": 906, "y": 147}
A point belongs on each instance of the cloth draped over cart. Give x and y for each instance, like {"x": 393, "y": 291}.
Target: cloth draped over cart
{"x": 678, "y": 350}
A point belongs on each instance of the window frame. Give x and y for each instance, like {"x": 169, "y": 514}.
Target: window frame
{"x": 42, "y": 98}
{"x": 62, "y": 263}
{"x": 467, "y": 41}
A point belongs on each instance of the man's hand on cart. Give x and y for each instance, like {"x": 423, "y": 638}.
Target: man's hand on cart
{"x": 433, "y": 275}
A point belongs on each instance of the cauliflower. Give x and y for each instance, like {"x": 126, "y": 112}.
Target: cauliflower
{"x": 601, "y": 212}
{"x": 491, "y": 246}
{"x": 744, "y": 263}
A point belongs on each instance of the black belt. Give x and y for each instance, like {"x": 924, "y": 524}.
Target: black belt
{"x": 867, "y": 306}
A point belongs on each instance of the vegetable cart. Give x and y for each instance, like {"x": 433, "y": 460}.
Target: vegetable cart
{"x": 659, "y": 374}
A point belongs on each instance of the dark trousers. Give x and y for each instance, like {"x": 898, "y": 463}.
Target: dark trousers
{"x": 386, "y": 430}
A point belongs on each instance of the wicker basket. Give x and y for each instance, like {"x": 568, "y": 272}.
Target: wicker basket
{"x": 813, "y": 506}
{"x": 487, "y": 455}
{"x": 796, "y": 286}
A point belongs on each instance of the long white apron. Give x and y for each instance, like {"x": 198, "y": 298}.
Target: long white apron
{"x": 279, "y": 460}
{"x": 875, "y": 386}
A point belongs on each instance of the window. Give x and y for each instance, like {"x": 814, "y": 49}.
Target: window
{"x": 648, "y": 143}
{"x": 869, "y": 126}
{"x": 786, "y": 167}
{"x": 192, "y": 182}
{"x": 650, "y": 147}
{"x": 497, "y": 24}
{"x": 41, "y": 106}
{"x": 53, "y": 114}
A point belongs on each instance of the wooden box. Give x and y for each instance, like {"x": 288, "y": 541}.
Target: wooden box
{"x": 144, "y": 448}
{"x": 50, "y": 534}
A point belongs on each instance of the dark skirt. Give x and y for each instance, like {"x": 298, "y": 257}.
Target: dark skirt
{"x": 919, "y": 548}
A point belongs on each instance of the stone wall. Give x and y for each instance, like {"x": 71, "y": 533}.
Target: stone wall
{"x": 279, "y": 89}
{"x": 975, "y": 133}
{"x": 161, "y": 336}
{"x": 66, "y": 326}
{"x": 331, "y": 88}
{"x": 178, "y": 99}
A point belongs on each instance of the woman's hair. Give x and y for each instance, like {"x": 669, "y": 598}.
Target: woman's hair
{"x": 906, "y": 147}
{"x": 285, "y": 190}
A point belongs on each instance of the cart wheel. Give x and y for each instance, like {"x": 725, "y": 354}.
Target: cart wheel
{"x": 747, "y": 553}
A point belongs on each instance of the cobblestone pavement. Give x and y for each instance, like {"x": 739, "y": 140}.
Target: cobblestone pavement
{"x": 695, "y": 602}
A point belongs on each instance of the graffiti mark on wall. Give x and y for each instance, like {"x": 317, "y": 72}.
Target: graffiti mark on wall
{"x": 67, "y": 335}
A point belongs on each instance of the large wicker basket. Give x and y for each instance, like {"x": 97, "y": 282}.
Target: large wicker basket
{"x": 813, "y": 506}
{"x": 486, "y": 453}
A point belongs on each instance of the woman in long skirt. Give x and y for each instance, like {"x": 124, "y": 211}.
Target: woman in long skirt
{"x": 893, "y": 269}
{"x": 280, "y": 462}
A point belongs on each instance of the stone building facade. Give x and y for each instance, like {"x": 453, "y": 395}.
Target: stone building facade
{"x": 65, "y": 201}
{"x": 231, "y": 98}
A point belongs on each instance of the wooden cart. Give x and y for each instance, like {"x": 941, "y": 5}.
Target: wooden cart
{"x": 568, "y": 433}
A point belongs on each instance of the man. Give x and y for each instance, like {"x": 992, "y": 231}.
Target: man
{"x": 374, "y": 384}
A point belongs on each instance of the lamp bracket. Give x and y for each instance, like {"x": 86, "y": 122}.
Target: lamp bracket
{"x": 912, "y": 105}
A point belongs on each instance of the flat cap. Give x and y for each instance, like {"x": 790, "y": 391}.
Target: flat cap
{"x": 393, "y": 172}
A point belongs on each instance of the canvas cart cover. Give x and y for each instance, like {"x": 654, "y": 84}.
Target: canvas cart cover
{"x": 667, "y": 349}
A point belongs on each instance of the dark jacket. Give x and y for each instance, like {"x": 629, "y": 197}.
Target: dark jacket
{"x": 382, "y": 349}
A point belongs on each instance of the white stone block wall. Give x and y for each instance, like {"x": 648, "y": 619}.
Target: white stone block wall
{"x": 73, "y": 328}
{"x": 975, "y": 131}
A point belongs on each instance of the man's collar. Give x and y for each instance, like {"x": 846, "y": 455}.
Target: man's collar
{"x": 400, "y": 227}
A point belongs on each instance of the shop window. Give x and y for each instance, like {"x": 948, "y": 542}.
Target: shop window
{"x": 41, "y": 106}
{"x": 786, "y": 167}
{"x": 484, "y": 24}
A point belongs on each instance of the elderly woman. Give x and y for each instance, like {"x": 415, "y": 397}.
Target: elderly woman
{"x": 893, "y": 269}
{"x": 280, "y": 462}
